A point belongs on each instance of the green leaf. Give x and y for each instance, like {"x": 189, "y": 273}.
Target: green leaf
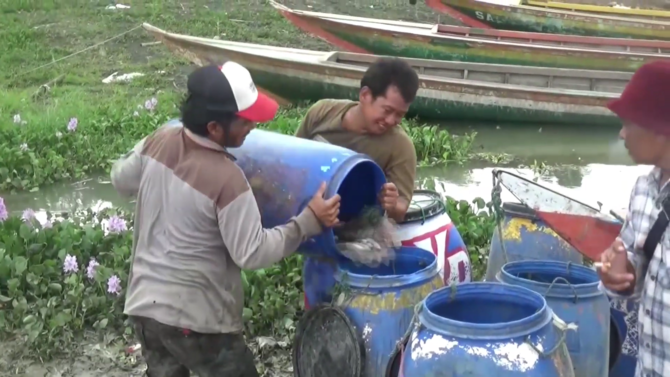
{"x": 5, "y": 299}
{"x": 55, "y": 287}
{"x": 60, "y": 320}
{"x": 20, "y": 265}
{"x": 34, "y": 249}
{"x": 25, "y": 231}
{"x": 30, "y": 319}
{"x": 102, "y": 324}
{"x": 247, "y": 314}
{"x": 13, "y": 284}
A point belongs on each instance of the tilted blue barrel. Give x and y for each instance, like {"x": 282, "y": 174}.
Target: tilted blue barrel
{"x": 380, "y": 302}
{"x": 284, "y": 173}
{"x": 572, "y": 293}
{"x": 524, "y": 237}
{"x": 486, "y": 329}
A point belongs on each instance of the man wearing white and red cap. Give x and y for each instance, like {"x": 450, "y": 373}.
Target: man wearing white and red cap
{"x": 197, "y": 225}
{"x": 637, "y": 263}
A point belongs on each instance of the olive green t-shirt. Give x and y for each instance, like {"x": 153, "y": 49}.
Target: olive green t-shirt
{"x": 393, "y": 151}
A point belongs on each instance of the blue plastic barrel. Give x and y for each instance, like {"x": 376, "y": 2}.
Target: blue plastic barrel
{"x": 526, "y": 237}
{"x": 572, "y": 293}
{"x": 380, "y": 302}
{"x": 486, "y": 329}
{"x": 285, "y": 171}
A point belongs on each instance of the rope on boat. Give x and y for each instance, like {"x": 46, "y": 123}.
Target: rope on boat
{"x": 80, "y": 51}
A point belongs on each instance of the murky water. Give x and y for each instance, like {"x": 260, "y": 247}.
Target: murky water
{"x": 588, "y": 164}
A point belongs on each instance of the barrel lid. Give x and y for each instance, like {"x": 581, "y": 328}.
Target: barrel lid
{"x": 425, "y": 204}
{"x": 326, "y": 344}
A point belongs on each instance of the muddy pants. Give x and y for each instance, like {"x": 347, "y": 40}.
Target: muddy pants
{"x": 172, "y": 352}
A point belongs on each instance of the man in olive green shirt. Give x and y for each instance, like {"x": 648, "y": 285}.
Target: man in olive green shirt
{"x": 369, "y": 126}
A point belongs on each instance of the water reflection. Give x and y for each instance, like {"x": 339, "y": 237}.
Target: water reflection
{"x": 592, "y": 184}
{"x": 95, "y": 193}
{"x": 554, "y": 144}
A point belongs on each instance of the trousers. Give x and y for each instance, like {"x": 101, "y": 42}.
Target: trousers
{"x": 173, "y": 352}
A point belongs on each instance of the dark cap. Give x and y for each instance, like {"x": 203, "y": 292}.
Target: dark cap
{"x": 646, "y": 99}
{"x": 229, "y": 88}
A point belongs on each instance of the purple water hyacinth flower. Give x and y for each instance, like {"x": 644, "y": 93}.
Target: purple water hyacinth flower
{"x": 47, "y": 225}
{"x": 116, "y": 224}
{"x": 72, "y": 124}
{"x": 114, "y": 285}
{"x": 3, "y": 210}
{"x": 91, "y": 269}
{"x": 150, "y": 104}
{"x": 23, "y": 147}
{"x": 28, "y": 215}
{"x": 70, "y": 264}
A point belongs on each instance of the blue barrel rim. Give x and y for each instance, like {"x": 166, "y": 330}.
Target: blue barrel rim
{"x": 436, "y": 208}
{"x": 503, "y": 330}
{"x": 558, "y": 289}
{"x": 363, "y": 281}
{"x": 332, "y": 189}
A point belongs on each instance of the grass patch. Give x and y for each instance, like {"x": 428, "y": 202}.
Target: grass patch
{"x": 32, "y": 114}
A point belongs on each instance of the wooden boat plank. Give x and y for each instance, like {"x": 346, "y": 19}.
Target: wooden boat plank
{"x": 464, "y": 35}
{"x": 528, "y": 18}
{"x": 416, "y": 27}
{"x": 647, "y": 4}
{"x": 573, "y": 41}
{"x": 589, "y": 16}
{"x": 598, "y": 81}
{"x": 442, "y": 97}
{"x": 600, "y": 9}
{"x": 442, "y": 42}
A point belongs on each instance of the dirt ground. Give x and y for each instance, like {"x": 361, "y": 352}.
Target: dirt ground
{"x": 112, "y": 357}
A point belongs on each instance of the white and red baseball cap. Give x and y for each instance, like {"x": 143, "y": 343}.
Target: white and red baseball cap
{"x": 229, "y": 88}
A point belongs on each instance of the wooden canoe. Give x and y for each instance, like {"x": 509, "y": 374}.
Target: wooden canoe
{"x": 456, "y": 43}
{"x": 502, "y": 14}
{"x": 448, "y": 90}
{"x": 648, "y": 11}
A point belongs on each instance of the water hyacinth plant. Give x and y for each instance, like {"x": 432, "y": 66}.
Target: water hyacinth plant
{"x": 57, "y": 281}
{"x": 35, "y": 154}
{"x": 47, "y": 296}
{"x": 72, "y": 124}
